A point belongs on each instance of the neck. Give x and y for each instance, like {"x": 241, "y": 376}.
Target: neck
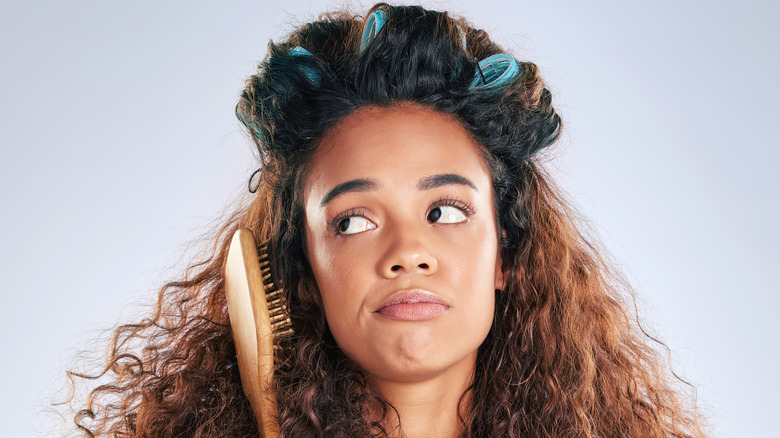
{"x": 428, "y": 408}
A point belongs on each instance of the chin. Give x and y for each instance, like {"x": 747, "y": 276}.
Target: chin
{"x": 413, "y": 359}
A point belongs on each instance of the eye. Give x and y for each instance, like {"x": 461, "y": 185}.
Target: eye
{"x": 354, "y": 225}
{"x": 445, "y": 214}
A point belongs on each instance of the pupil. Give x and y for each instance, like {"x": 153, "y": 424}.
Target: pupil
{"x": 434, "y": 215}
{"x": 344, "y": 225}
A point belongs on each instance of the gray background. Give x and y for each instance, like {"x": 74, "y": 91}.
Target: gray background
{"x": 119, "y": 146}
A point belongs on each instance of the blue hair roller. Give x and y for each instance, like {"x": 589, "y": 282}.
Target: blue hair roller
{"x": 311, "y": 74}
{"x": 249, "y": 124}
{"x": 298, "y": 50}
{"x": 462, "y": 36}
{"x": 494, "y": 71}
{"x": 374, "y": 23}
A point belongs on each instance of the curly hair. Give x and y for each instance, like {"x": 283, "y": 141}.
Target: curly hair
{"x": 565, "y": 356}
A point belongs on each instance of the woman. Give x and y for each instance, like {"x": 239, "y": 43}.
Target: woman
{"x": 435, "y": 281}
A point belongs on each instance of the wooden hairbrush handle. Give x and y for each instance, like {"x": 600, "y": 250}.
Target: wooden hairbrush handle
{"x": 251, "y": 326}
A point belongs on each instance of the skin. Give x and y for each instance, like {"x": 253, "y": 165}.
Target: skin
{"x": 414, "y": 219}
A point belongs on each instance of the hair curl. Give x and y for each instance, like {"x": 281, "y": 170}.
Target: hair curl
{"x": 563, "y": 357}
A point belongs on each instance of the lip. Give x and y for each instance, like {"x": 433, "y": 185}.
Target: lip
{"x": 413, "y": 305}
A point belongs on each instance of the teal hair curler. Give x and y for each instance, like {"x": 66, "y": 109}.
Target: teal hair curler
{"x": 461, "y": 35}
{"x": 494, "y": 72}
{"x": 374, "y": 23}
{"x": 311, "y": 74}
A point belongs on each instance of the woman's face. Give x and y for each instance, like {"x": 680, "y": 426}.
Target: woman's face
{"x": 401, "y": 236}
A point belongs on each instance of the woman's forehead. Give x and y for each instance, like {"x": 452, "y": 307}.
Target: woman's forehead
{"x": 398, "y": 144}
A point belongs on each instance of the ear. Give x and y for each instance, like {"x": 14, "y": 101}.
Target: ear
{"x": 500, "y": 275}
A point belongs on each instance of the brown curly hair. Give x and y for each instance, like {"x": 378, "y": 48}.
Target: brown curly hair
{"x": 564, "y": 357}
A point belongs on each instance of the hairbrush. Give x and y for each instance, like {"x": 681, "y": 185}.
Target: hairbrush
{"x": 256, "y": 310}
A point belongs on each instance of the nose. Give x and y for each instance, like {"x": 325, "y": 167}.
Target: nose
{"x": 407, "y": 253}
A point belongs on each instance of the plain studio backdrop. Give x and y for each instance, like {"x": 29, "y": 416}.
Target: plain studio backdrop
{"x": 120, "y": 149}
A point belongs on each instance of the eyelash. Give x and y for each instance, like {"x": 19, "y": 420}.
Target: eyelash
{"x": 354, "y": 212}
{"x": 463, "y": 206}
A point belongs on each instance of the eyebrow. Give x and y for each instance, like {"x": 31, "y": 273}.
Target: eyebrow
{"x": 434, "y": 181}
{"x": 365, "y": 185}
{"x": 355, "y": 185}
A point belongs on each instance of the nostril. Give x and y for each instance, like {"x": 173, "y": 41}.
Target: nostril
{"x": 396, "y": 268}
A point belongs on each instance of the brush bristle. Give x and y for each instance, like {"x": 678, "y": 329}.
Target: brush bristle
{"x": 277, "y": 303}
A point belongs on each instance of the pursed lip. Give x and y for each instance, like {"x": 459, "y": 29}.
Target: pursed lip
{"x": 413, "y": 305}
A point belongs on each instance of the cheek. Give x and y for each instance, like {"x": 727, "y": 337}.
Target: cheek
{"x": 332, "y": 270}
{"x": 336, "y": 274}
{"x": 477, "y": 257}
{"x": 320, "y": 254}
